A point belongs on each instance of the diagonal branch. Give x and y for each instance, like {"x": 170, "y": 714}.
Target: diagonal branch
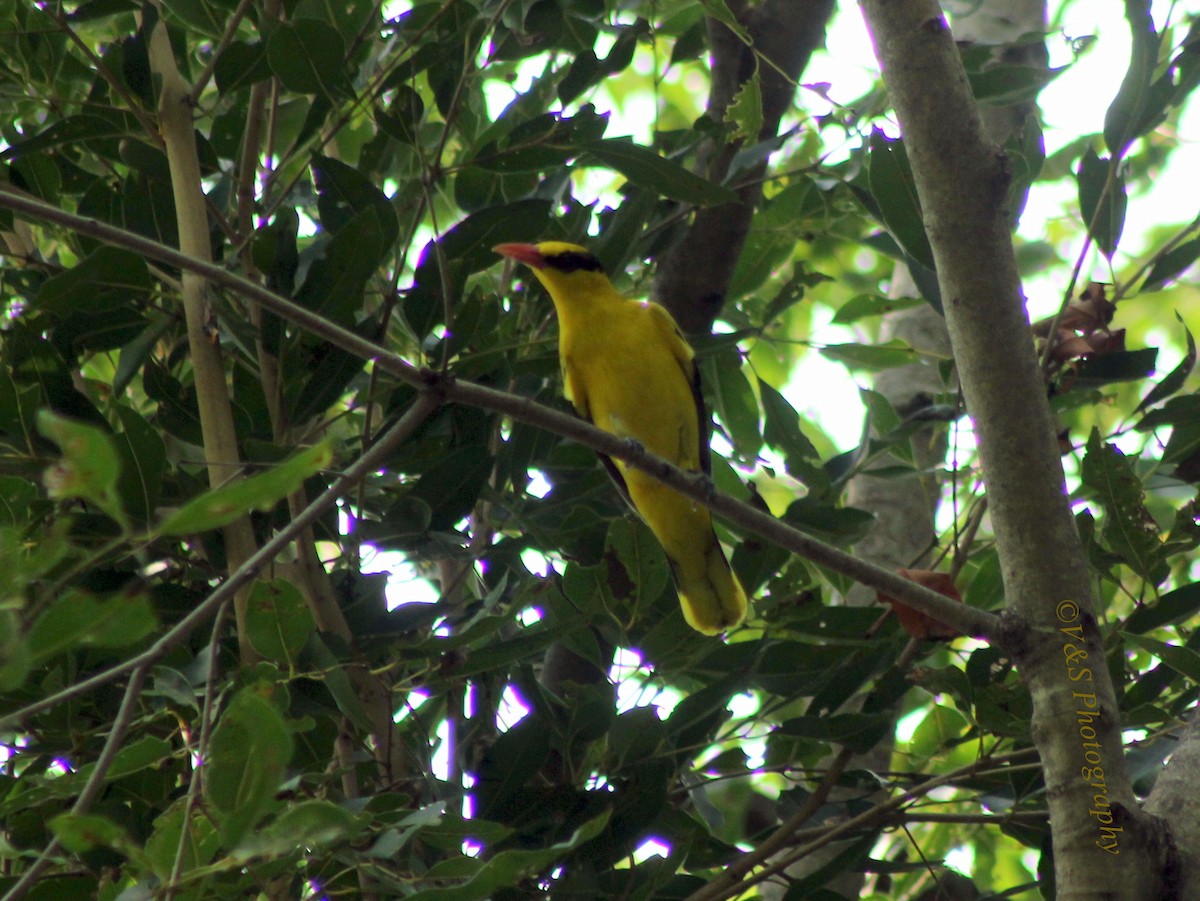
{"x": 450, "y": 389}
{"x": 372, "y": 459}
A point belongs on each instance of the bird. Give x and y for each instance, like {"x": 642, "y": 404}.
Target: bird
{"x": 628, "y": 369}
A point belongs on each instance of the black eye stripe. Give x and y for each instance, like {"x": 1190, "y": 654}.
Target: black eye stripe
{"x": 572, "y": 261}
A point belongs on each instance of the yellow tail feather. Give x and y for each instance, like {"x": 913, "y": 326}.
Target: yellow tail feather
{"x": 712, "y": 598}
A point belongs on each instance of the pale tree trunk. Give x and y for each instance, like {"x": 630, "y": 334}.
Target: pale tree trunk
{"x": 905, "y": 509}
{"x": 1175, "y": 800}
{"x": 1051, "y": 631}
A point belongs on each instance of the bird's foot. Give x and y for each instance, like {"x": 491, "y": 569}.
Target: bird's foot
{"x": 636, "y": 448}
{"x": 705, "y": 484}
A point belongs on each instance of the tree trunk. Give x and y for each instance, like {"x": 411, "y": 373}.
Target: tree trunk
{"x": 1103, "y": 845}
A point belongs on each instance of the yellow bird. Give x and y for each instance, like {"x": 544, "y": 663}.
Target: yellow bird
{"x": 627, "y": 369}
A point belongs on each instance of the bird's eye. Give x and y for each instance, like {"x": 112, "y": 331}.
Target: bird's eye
{"x": 572, "y": 261}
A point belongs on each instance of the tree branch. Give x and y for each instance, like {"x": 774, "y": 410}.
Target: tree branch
{"x": 968, "y": 620}
{"x": 962, "y": 181}
{"x": 221, "y": 450}
{"x": 95, "y": 782}
{"x": 693, "y": 276}
{"x": 372, "y": 459}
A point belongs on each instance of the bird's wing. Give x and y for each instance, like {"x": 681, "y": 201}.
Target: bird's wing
{"x": 575, "y": 392}
{"x": 687, "y": 362}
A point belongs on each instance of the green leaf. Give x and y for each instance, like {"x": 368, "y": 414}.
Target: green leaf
{"x": 278, "y": 622}
{"x": 451, "y": 486}
{"x": 1026, "y": 152}
{"x": 318, "y": 656}
{"x": 106, "y": 279}
{"x": 83, "y": 832}
{"x": 143, "y": 464}
{"x": 508, "y": 765}
{"x": 1102, "y": 200}
{"x": 642, "y": 557}
{"x": 647, "y": 169}
{"x": 1173, "y": 607}
{"x": 1129, "y": 529}
{"x": 37, "y": 174}
{"x": 200, "y": 843}
{"x": 843, "y": 525}
{"x": 78, "y": 619}
{"x": 16, "y": 662}
{"x": 782, "y": 432}
{"x": 872, "y": 357}
{"x": 248, "y": 757}
{"x": 241, "y": 64}
{"x": 718, "y": 10}
{"x": 148, "y": 751}
{"x": 865, "y": 305}
{"x": 335, "y": 282}
{"x": 890, "y": 179}
{"x": 941, "y": 727}
{"x": 208, "y": 18}
{"x": 90, "y": 465}
{"x": 223, "y": 505}
{"x": 311, "y": 825}
{"x": 1179, "y": 412}
{"x": 309, "y": 58}
{"x": 734, "y": 401}
{"x": 1007, "y": 85}
{"x": 343, "y": 192}
{"x": 1175, "y": 379}
{"x": 403, "y": 116}
{"x": 467, "y": 248}
{"x": 791, "y": 293}
{"x": 746, "y": 111}
{"x": 857, "y": 731}
{"x": 509, "y": 868}
{"x": 1122, "y": 366}
{"x": 697, "y": 717}
{"x": 1123, "y": 121}
{"x": 586, "y": 70}
{"x": 588, "y": 589}
{"x": 1171, "y": 265}
{"x": 1184, "y": 661}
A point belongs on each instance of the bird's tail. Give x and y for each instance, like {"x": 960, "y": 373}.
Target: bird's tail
{"x": 712, "y": 598}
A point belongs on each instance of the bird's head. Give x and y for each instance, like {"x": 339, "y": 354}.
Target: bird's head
{"x": 566, "y": 270}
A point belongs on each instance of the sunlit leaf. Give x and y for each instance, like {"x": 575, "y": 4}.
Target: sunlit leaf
{"x": 647, "y": 169}
{"x": 891, "y": 182}
{"x": 248, "y": 757}
{"x": 223, "y": 505}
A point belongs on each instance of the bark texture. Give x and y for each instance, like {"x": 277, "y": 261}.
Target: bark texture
{"x": 693, "y": 276}
{"x": 1104, "y": 846}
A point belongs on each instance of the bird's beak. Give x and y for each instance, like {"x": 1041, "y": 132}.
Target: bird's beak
{"x": 522, "y": 253}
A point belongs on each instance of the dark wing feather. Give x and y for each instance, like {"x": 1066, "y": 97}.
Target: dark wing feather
{"x": 618, "y": 479}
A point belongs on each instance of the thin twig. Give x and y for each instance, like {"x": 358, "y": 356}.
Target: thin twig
{"x": 967, "y": 620}
{"x": 876, "y": 815}
{"x": 104, "y": 72}
{"x": 730, "y": 881}
{"x": 95, "y": 782}
{"x": 206, "y": 721}
{"x": 371, "y": 460}
{"x": 225, "y": 40}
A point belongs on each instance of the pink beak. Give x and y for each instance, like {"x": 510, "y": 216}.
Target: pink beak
{"x": 522, "y": 253}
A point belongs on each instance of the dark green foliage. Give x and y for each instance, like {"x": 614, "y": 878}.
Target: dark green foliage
{"x": 399, "y": 154}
